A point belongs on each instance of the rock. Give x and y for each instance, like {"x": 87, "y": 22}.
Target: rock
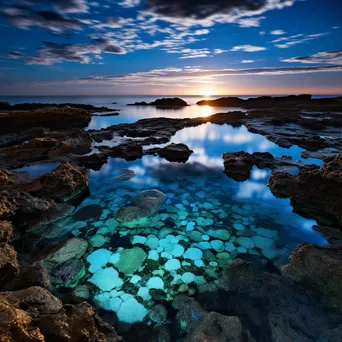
{"x": 175, "y": 153}
{"x": 106, "y": 279}
{"x": 93, "y": 161}
{"x": 193, "y": 254}
{"x": 314, "y": 191}
{"x": 9, "y": 265}
{"x": 80, "y": 294}
{"x": 61, "y": 184}
{"x": 130, "y": 260}
{"x": 216, "y": 327}
{"x": 73, "y": 248}
{"x": 172, "y": 265}
{"x": 129, "y": 150}
{"x": 238, "y": 165}
{"x": 6, "y": 231}
{"x": 238, "y": 276}
{"x": 318, "y": 270}
{"x": 48, "y": 117}
{"x": 147, "y": 203}
{"x": 163, "y": 103}
{"x": 131, "y": 311}
{"x": 158, "y": 314}
{"x": 124, "y": 175}
{"x": 32, "y": 275}
{"x": 92, "y": 211}
{"x": 16, "y": 324}
{"x": 68, "y": 274}
{"x": 35, "y": 300}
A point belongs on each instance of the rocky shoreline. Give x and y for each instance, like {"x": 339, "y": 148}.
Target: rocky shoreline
{"x": 303, "y": 302}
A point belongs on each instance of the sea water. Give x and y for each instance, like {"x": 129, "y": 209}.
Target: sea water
{"x": 206, "y": 221}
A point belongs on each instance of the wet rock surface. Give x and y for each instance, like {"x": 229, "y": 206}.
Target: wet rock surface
{"x": 173, "y": 153}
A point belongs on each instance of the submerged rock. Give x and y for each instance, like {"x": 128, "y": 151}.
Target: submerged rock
{"x": 318, "y": 270}
{"x": 147, "y": 203}
{"x": 130, "y": 260}
{"x": 124, "y": 174}
{"x": 92, "y": 211}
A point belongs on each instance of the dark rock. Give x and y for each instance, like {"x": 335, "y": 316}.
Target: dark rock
{"x": 107, "y": 114}
{"x": 158, "y": 314}
{"x": 5, "y": 106}
{"x": 6, "y": 231}
{"x": 318, "y": 270}
{"x": 94, "y": 161}
{"x": 129, "y": 150}
{"x": 315, "y": 191}
{"x": 48, "y": 117}
{"x": 32, "y": 275}
{"x": 238, "y": 165}
{"x": 164, "y": 102}
{"x": 175, "y": 153}
{"x": 68, "y": 274}
{"x": 91, "y": 211}
{"x": 238, "y": 276}
{"x": 216, "y": 327}
{"x": 9, "y": 265}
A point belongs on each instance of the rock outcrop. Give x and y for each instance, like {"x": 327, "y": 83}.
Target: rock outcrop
{"x": 315, "y": 191}
{"x": 163, "y": 103}
{"x": 173, "y": 153}
{"x": 318, "y": 270}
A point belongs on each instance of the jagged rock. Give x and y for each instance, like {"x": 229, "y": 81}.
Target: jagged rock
{"x": 6, "y": 231}
{"x": 9, "y": 265}
{"x": 16, "y": 324}
{"x": 61, "y": 184}
{"x": 315, "y": 191}
{"x": 32, "y": 275}
{"x": 35, "y": 300}
{"x": 68, "y": 274}
{"x": 318, "y": 270}
{"x": 48, "y": 117}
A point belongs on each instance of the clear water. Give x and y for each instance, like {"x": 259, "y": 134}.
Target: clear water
{"x": 207, "y": 220}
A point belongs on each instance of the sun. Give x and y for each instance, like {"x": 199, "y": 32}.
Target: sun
{"x": 207, "y": 92}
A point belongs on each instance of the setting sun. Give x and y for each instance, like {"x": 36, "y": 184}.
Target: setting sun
{"x": 207, "y": 92}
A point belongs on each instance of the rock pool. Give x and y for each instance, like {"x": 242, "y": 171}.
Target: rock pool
{"x": 145, "y": 247}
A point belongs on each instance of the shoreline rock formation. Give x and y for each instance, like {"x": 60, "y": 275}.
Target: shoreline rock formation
{"x": 163, "y": 103}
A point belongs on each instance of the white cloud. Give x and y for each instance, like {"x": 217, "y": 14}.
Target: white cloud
{"x": 248, "y": 48}
{"x": 247, "y": 61}
{"x": 278, "y": 32}
{"x": 329, "y": 57}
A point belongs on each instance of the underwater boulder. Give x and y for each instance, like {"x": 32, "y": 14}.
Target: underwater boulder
{"x": 68, "y": 274}
{"x": 130, "y": 260}
{"x": 152, "y": 200}
{"x": 92, "y": 211}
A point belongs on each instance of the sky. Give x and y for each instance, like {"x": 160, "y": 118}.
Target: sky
{"x": 176, "y": 47}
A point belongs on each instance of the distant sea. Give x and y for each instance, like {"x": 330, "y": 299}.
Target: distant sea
{"x": 130, "y": 114}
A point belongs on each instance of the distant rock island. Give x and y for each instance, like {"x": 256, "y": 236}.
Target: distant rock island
{"x": 163, "y": 103}
{"x": 270, "y": 102}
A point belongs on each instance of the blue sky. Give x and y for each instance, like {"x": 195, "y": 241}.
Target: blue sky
{"x": 83, "y": 47}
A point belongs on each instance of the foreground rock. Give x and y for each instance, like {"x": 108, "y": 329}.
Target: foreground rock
{"x": 47, "y": 117}
{"x": 314, "y": 191}
{"x": 34, "y": 314}
{"x": 318, "y": 270}
{"x": 163, "y": 103}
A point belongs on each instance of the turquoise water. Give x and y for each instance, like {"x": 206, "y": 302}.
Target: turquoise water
{"x": 205, "y": 222}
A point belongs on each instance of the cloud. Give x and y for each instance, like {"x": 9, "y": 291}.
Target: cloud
{"x": 286, "y": 42}
{"x": 53, "y": 53}
{"x": 248, "y": 48}
{"x": 24, "y": 17}
{"x": 206, "y": 13}
{"x": 13, "y": 55}
{"x": 247, "y": 61}
{"x": 219, "y": 51}
{"x": 329, "y": 57}
{"x": 129, "y": 3}
{"x": 277, "y": 32}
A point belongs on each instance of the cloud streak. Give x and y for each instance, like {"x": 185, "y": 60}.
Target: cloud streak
{"x": 329, "y": 57}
